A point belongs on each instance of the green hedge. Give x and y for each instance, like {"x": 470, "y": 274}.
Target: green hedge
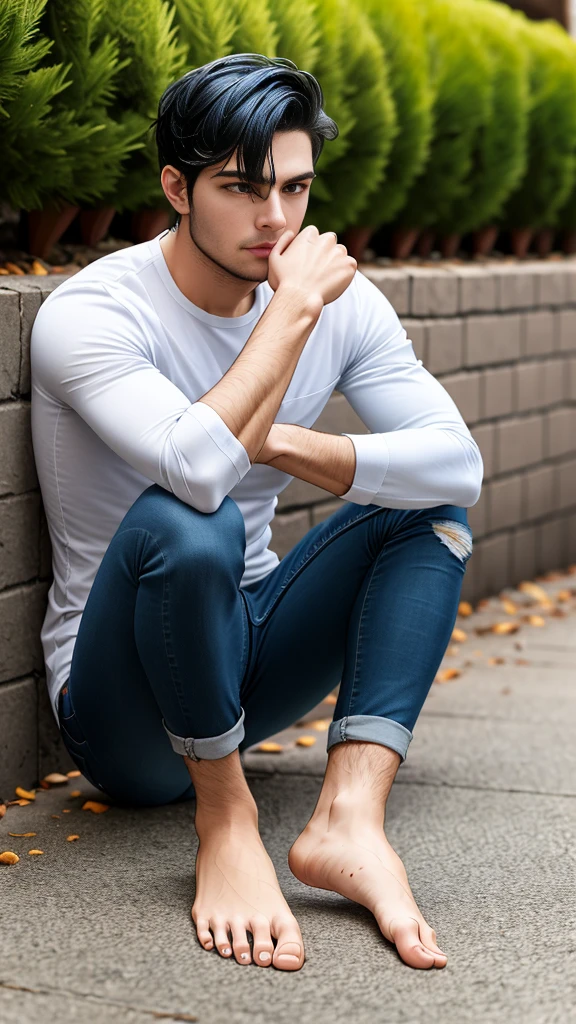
{"x": 453, "y": 114}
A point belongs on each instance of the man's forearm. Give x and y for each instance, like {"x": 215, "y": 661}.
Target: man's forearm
{"x": 247, "y": 397}
{"x": 327, "y": 460}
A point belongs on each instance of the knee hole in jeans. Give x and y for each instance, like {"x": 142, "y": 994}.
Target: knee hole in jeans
{"x": 455, "y": 536}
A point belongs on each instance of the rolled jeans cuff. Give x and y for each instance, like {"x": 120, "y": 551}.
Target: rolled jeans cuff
{"x": 372, "y": 729}
{"x": 208, "y": 747}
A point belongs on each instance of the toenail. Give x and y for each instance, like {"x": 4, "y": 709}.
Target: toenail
{"x": 288, "y": 958}
{"x": 226, "y": 949}
{"x": 243, "y": 956}
{"x": 264, "y": 956}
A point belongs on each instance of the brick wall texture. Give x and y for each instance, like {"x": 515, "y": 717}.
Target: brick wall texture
{"x": 501, "y": 338}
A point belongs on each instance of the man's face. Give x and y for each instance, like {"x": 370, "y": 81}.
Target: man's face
{"x": 229, "y": 215}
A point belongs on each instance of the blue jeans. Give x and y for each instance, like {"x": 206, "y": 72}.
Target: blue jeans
{"x": 173, "y": 657}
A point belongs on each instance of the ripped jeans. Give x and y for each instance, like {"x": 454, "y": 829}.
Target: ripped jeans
{"x": 173, "y": 657}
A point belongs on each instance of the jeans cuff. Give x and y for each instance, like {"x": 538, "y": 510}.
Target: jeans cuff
{"x": 209, "y": 747}
{"x": 372, "y": 729}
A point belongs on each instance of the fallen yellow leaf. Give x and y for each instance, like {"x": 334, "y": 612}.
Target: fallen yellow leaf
{"x": 97, "y": 808}
{"x": 535, "y": 620}
{"x": 55, "y": 778}
{"x": 509, "y": 606}
{"x": 2, "y": 810}
{"x": 75, "y": 792}
{"x": 22, "y": 835}
{"x": 459, "y": 635}
{"x": 13, "y": 267}
{"x": 538, "y": 593}
{"x": 66, "y": 810}
{"x": 37, "y": 268}
{"x": 270, "y": 747}
{"x": 69, "y": 839}
{"x": 54, "y": 815}
{"x": 20, "y": 802}
{"x": 505, "y": 627}
{"x": 306, "y": 741}
{"x": 496, "y": 661}
{"x": 73, "y": 774}
{"x": 465, "y": 608}
{"x": 34, "y": 852}
{"x": 319, "y": 724}
{"x": 8, "y": 857}
{"x": 446, "y": 674}
{"x": 24, "y": 793}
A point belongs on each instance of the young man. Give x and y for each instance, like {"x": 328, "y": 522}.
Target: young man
{"x": 175, "y": 384}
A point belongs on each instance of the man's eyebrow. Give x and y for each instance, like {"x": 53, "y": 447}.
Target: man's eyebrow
{"x": 265, "y": 181}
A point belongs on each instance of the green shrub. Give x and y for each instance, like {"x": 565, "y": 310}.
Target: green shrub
{"x": 77, "y": 32}
{"x": 37, "y": 134}
{"x": 459, "y": 73}
{"x": 499, "y": 153}
{"x": 400, "y": 28}
{"x": 551, "y": 164}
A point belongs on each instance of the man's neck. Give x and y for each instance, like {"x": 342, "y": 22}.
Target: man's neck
{"x": 209, "y": 288}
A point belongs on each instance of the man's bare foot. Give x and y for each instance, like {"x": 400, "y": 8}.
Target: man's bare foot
{"x": 346, "y": 851}
{"x": 237, "y": 890}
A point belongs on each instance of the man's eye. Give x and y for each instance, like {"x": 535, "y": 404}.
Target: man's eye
{"x": 244, "y": 184}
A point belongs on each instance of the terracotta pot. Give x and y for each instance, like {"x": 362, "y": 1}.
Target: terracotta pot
{"x": 425, "y": 242}
{"x": 46, "y": 227}
{"x": 356, "y": 239}
{"x": 544, "y": 241}
{"x": 94, "y": 223}
{"x": 402, "y": 242}
{"x": 484, "y": 240}
{"x": 146, "y": 224}
{"x": 521, "y": 238}
{"x": 569, "y": 242}
{"x": 449, "y": 245}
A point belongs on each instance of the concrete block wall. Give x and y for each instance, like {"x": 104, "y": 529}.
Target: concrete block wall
{"x": 501, "y": 338}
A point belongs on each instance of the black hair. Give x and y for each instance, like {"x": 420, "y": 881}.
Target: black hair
{"x": 238, "y": 101}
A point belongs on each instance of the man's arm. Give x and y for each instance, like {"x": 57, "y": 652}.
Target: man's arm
{"x": 327, "y": 460}
{"x": 419, "y": 453}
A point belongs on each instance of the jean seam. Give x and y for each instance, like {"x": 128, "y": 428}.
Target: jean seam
{"x": 167, "y": 637}
{"x": 359, "y": 638}
{"x": 311, "y": 554}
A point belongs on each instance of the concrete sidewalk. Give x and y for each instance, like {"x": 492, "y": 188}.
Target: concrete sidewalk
{"x": 483, "y": 813}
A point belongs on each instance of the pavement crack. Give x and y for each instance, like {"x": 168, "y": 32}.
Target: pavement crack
{"x": 71, "y": 993}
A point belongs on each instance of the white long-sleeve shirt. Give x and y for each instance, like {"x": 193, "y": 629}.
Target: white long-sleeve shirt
{"x": 120, "y": 359}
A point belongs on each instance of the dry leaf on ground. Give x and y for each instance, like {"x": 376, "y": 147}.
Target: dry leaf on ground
{"x": 270, "y": 748}
{"x": 306, "y": 741}
{"x": 55, "y": 778}
{"x": 446, "y": 674}
{"x": 95, "y": 807}
{"x": 319, "y": 724}
{"x": 465, "y": 608}
{"x": 22, "y": 835}
{"x": 71, "y": 838}
{"x": 33, "y": 852}
{"x": 25, "y": 794}
{"x": 73, "y": 774}
{"x": 8, "y": 857}
{"x": 459, "y": 635}
{"x": 74, "y": 793}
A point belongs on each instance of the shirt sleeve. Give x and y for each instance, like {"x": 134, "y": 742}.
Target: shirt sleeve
{"x": 420, "y": 452}
{"x": 91, "y": 352}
